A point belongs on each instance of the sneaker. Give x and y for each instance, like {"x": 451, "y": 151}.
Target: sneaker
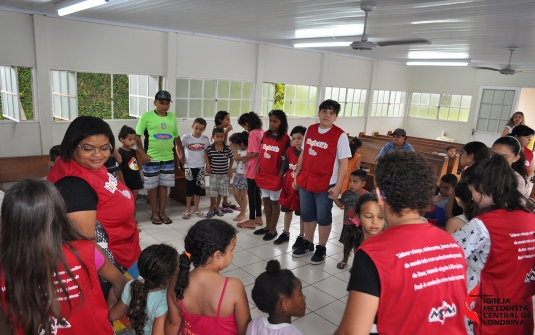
{"x": 261, "y": 231}
{"x": 305, "y": 248}
{"x": 298, "y": 241}
{"x": 284, "y": 237}
{"x": 270, "y": 236}
{"x": 319, "y": 255}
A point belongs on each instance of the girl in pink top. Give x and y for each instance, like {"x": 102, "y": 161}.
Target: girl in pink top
{"x": 203, "y": 301}
{"x": 252, "y": 123}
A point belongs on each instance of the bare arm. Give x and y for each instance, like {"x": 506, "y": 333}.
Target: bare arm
{"x": 158, "y": 327}
{"x": 85, "y": 221}
{"x": 338, "y": 203}
{"x": 358, "y": 317}
{"x": 531, "y": 169}
{"x": 179, "y": 148}
{"x": 242, "y": 314}
{"x": 342, "y": 169}
{"x": 207, "y": 161}
{"x": 297, "y": 170}
{"x": 454, "y": 224}
{"x": 248, "y": 156}
{"x": 505, "y": 132}
{"x": 173, "y": 320}
{"x": 358, "y": 162}
{"x": 118, "y": 310}
{"x": 145, "y": 159}
{"x": 109, "y": 272}
{"x": 229, "y": 172}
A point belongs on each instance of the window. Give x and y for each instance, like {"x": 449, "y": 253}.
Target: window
{"x": 388, "y": 103}
{"x": 495, "y": 109}
{"x": 103, "y": 95}
{"x": 449, "y": 107}
{"x": 141, "y": 93}
{"x": 204, "y": 97}
{"x": 16, "y": 97}
{"x": 352, "y": 101}
{"x": 294, "y": 100}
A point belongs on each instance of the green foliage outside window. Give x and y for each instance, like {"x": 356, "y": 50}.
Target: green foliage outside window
{"x": 25, "y": 93}
{"x": 95, "y": 95}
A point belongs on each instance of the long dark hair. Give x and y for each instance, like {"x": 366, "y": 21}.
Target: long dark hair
{"x": 204, "y": 238}
{"x": 283, "y": 129}
{"x": 462, "y": 192}
{"x": 240, "y": 138}
{"x": 157, "y": 264}
{"x": 479, "y": 149}
{"x": 252, "y": 119}
{"x": 35, "y": 228}
{"x": 219, "y": 117}
{"x": 494, "y": 177}
{"x": 512, "y": 143}
{"x": 353, "y": 233}
{"x": 354, "y": 144}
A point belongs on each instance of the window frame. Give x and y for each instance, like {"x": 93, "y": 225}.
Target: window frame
{"x": 430, "y": 104}
{"x": 9, "y": 92}
{"x": 147, "y": 97}
{"x": 269, "y": 100}
{"x": 363, "y": 95}
{"x": 386, "y": 102}
{"x": 71, "y": 114}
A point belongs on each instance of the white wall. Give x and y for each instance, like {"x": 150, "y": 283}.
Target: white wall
{"x": 526, "y": 105}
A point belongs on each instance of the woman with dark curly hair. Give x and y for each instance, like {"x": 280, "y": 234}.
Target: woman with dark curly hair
{"x": 144, "y": 299}
{"x": 413, "y": 275}
{"x": 202, "y": 301}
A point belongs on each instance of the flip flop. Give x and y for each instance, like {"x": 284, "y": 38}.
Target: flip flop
{"x": 219, "y": 213}
{"x": 199, "y": 214}
{"x": 341, "y": 265}
{"x": 244, "y": 225}
{"x": 186, "y": 215}
{"x": 167, "y": 221}
{"x": 231, "y": 206}
{"x": 225, "y": 210}
{"x": 157, "y": 221}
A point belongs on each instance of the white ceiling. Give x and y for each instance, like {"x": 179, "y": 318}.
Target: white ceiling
{"x": 484, "y": 28}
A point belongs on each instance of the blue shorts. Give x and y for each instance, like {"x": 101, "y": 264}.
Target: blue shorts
{"x": 316, "y": 207}
{"x": 159, "y": 174}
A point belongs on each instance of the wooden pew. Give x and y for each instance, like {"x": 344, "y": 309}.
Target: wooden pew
{"x": 14, "y": 169}
{"x": 423, "y": 139}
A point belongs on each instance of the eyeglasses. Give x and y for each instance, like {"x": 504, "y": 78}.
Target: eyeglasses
{"x": 104, "y": 149}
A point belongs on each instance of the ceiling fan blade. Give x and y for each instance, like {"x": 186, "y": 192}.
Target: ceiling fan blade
{"x": 487, "y": 68}
{"x": 400, "y": 42}
{"x": 527, "y": 71}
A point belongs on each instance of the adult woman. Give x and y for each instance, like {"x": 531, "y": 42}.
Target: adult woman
{"x": 497, "y": 248}
{"x": 515, "y": 120}
{"x": 100, "y": 205}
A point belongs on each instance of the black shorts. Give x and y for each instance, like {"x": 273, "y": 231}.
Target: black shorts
{"x": 286, "y": 210}
{"x": 195, "y": 182}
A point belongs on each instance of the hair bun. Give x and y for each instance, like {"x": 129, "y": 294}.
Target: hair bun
{"x": 273, "y": 266}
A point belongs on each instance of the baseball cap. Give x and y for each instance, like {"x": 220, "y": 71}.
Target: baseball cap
{"x": 399, "y": 132}
{"x": 163, "y": 95}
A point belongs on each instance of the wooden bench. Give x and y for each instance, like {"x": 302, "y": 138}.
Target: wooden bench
{"x": 14, "y": 169}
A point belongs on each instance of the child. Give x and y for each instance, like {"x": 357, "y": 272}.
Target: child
{"x": 510, "y": 148}
{"x": 289, "y": 199}
{"x": 129, "y": 166}
{"x": 252, "y": 123}
{"x": 450, "y": 152}
{"x": 325, "y": 149}
{"x": 353, "y": 163}
{"x": 269, "y": 175}
{"x": 524, "y": 134}
{"x": 222, "y": 120}
{"x": 53, "y": 154}
{"x": 463, "y": 197}
{"x": 404, "y": 189}
{"x": 144, "y": 300}
{"x": 367, "y": 221}
{"x": 434, "y": 214}
{"x": 40, "y": 249}
{"x": 239, "y": 142}
{"x": 447, "y": 183}
{"x": 280, "y": 294}
{"x": 357, "y": 180}
{"x": 218, "y": 157}
{"x": 195, "y": 145}
{"x": 202, "y": 301}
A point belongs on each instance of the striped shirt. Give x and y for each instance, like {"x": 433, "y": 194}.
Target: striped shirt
{"x": 219, "y": 159}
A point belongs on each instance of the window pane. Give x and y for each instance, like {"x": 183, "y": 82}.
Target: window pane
{"x": 465, "y": 103}
{"x": 495, "y": 111}
{"x": 454, "y": 114}
{"x": 208, "y": 106}
{"x": 416, "y": 98}
{"x": 424, "y": 111}
{"x": 435, "y": 100}
{"x": 424, "y": 100}
{"x": 288, "y": 107}
{"x": 443, "y": 113}
{"x": 347, "y": 109}
{"x": 497, "y": 98}
{"x": 375, "y": 96}
{"x": 484, "y": 111}
{"x": 328, "y": 92}
{"x": 414, "y": 110}
{"x": 265, "y": 91}
{"x": 351, "y": 95}
{"x": 265, "y": 109}
{"x": 195, "y": 87}
{"x": 145, "y": 104}
{"x": 245, "y": 106}
{"x": 501, "y": 125}
{"x": 506, "y": 113}
{"x": 182, "y": 108}
{"x": 363, "y": 96}
{"x": 144, "y": 86}
{"x": 65, "y": 107}
{"x": 235, "y": 89}
{"x": 72, "y": 83}
{"x": 209, "y": 89}
{"x": 342, "y": 109}
{"x": 456, "y": 101}
{"x": 433, "y": 112}
{"x": 487, "y": 97}
{"x": 222, "y": 90}
{"x": 57, "y": 106}
{"x": 133, "y": 108}
{"x": 222, "y": 105}
{"x": 73, "y": 108}
{"x": 398, "y": 97}
{"x": 481, "y": 124}
{"x": 153, "y": 85}
{"x": 3, "y": 75}
{"x": 234, "y": 108}
{"x": 313, "y": 94}
{"x": 302, "y": 93}
{"x": 63, "y": 89}
{"x": 247, "y": 90}
{"x": 492, "y": 126}
{"x": 463, "y": 115}
{"x": 343, "y": 95}
{"x": 445, "y": 101}
{"x": 336, "y": 93}
{"x": 380, "y": 96}
{"x": 374, "y": 109}
{"x": 361, "y": 109}
{"x": 509, "y": 97}
{"x": 195, "y": 108}
{"x": 182, "y": 90}
{"x": 312, "y": 109}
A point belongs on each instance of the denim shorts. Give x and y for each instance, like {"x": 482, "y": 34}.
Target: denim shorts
{"x": 316, "y": 207}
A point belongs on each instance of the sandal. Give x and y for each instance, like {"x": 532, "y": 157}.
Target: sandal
{"x": 186, "y": 215}
{"x": 210, "y": 215}
{"x": 219, "y": 213}
{"x": 167, "y": 221}
{"x": 238, "y": 208}
{"x": 225, "y": 210}
{"x": 243, "y": 224}
{"x": 341, "y": 265}
{"x": 199, "y": 214}
{"x": 229, "y": 205}
{"x": 157, "y": 221}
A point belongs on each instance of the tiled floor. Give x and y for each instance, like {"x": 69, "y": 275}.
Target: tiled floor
{"x": 324, "y": 285}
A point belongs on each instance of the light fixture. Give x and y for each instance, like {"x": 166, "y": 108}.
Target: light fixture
{"x": 80, "y": 6}
{"x": 321, "y": 44}
{"x": 463, "y": 62}
{"x": 436, "y": 21}
{"x": 442, "y": 3}
{"x": 436, "y": 55}
{"x": 344, "y": 30}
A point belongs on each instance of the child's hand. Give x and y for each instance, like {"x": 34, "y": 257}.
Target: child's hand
{"x": 229, "y": 174}
{"x": 333, "y": 192}
{"x": 229, "y": 128}
{"x": 145, "y": 159}
{"x": 294, "y": 185}
{"x": 208, "y": 169}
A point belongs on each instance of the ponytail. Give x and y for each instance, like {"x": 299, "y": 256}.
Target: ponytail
{"x": 182, "y": 281}
{"x": 138, "y": 302}
{"x": 252, "y": 119}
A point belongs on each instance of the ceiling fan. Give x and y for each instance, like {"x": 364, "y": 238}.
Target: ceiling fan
{"x": 364, "y": 44}
{"x": 506, "y": 70}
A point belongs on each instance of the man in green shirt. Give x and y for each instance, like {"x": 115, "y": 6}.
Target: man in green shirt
{"x": 161, "y": 130}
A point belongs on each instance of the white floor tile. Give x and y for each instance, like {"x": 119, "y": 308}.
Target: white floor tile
{"x": 265, "y": 251}
{"x": 310, "y": 274}
{"x": 333, "y": 312}
{"x": 168, "y": 235}
{"x": 316, "y": 298}
{"x": 332, "y": 286}
{"x": 243, "y": 258}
